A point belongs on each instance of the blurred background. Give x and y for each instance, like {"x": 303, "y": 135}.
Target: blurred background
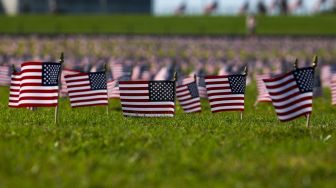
{"x": 151, "y": 39}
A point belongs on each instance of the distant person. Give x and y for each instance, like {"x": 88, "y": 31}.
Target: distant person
{"x": 180, "y": 10}
{"x": 284, "y": 7}
{"x": 211, "y": 8}
{"x": 251, "y": 25}
{"x": 262, "y": 8}
{"x": 244, "y": 9}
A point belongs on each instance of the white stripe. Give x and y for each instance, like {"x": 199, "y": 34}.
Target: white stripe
{"x": 74, "y": 104}
{"x": 38, "y": 101}
{"x": 189, "y": 101}
{"x": 44, "y": 88}
{"x": 184, "y": 98}
{"x": 133, "y": 85}
{"x": 134, "y": 97}
{"x": 134, "y": 91}
{"x": 191, "y": 105}
{"x": 226, "y": 96}
{"x": 55, "y": 94}
{"x": 181, "y": 88}
{"x": 216, "y": 80}
{"x": 26, "y": 67}
{"x": 86, "y": 92}
{"x": 30, "y": 81}
{"x": 217, "y": 85}
{"x": 76, "y": 78}
{"x": 78, "y": 88}
{"x": 31, "y": 74}
{"x": 182, "y": 93}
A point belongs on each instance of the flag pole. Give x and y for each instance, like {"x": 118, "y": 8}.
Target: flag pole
{"x": 107, "y": 107}
{"x": 244, "y": 74}
{"x": 61, "y": 61}
{"x": 308, "y": 116}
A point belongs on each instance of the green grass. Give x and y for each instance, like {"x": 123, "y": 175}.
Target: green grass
{"x": 145, "y": 24}
{"x": 90, "y": 149}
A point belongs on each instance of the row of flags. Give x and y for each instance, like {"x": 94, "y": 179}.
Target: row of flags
{"x": 37, "y": 85}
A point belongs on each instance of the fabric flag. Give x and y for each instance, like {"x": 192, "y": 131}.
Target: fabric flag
{"x": 39, "y": 84}
{"x": 333, "y": 89}
{"x": 113, "y": 89}
{"x": 200, "y": 85}
{"x": 226, "y": 93}
{"x": 263, "y": 95}
{"x": 5, "y": 78}
{"x": 188, "y": 97}
{"x": 65, "y": 72}
{"x": 292, "y": 93}
{"x": 87, "y": 89}
{"x": 14, "y": 90}
{"x": 147, "y": 98}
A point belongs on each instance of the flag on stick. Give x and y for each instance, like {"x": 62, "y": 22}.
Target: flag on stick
{"x": 39, "y": 84}
{"x": 14, "y": 90}
{"x": 147, "y": 98}
{"x": 226, "y": 92}
{"x": 263, "y": 95}
{"x": 113, "y": 89}
{"x": 87, "y": 89}
{"x": 292, "y": 93}
{"x": 188, "y": 97}
{"x": 5, "y": 78}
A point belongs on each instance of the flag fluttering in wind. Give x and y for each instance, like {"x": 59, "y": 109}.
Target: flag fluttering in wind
{"x": 263, "y": 95}
{"x": 5, "y": 78}
{"x": 333, "y": 89}
{"x": 292, "y": 93}
{"x": 39, "y": 84}
{"x": 226, "y": 93}
{"x": 14, "y": 90}
{"x": 188, "y": 97}
{"x": 113, "y": 89}
{"x": 200, "y": 85}
{"x": 147, "y": 98}
{"x": 87, "y": 89}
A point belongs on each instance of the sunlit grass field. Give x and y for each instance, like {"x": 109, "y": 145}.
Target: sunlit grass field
{"x": 319, "y": 25}
{"x": 90, "y": 149}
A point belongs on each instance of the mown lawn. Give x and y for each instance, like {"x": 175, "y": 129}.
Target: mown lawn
{"x": 90, "y": 149}
{"x": 324, "y": 25}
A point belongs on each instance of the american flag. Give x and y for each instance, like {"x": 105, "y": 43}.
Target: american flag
{"x": 200, "y": 85}
{"x": 87, "y": 89}
{"x": 263, "y": 95}
{"x": 113, "y": 89}
{"x": 65, "y": 72}
{"x": 292, "y": 93}
{"x": 226, "y": 93}
{"x": 5, "y": 75}
{"x": 14, "y": 90}
{"x": 39, "y": 84}
{"x": 148, "y": 98}
{"x": 333, "y": 89}
{"x": 188, "y": 97}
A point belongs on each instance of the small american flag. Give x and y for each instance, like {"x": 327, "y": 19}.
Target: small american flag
{"x": 292, "y": 93}
{"x": 188, "y": 97}
{"x": 113, "y": 89}
{"x": 148, "y": 98}
{"x": 87, "y": 89}
{"x": 200, "y": 85}
{"x": 263, "y": 95}
{"x": 39, "y": 84}
{"x": 5, "y": 75}
{"x": 333, "y": 89}
{"x": 14, "y": 90}
{"x": 226, "y": 93}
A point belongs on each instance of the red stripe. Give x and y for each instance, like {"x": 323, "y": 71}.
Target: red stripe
{"x": 31, "y": 63}
{"x": 133, "y": 88}
{"x": 288, "y": 97}
{"x": 215, "y": 77}
{"x": 231, "y": 98}
{"x": 221, "y": 93}
{"x": 135, "y": 100}
{"x": 217, "y": 88}
{"x": 75, "y": 75}
{"x": 37, "y": 98}
{"x": 216, "y": 82}
{"x": 38, "y": 105}
{"x": 89, "y": 100}
{"x": 39, "y": 91}
{"x": 79, "y": 80}
{"x": 88, "y": 95}
{"x": 31, "y": 70}
{"x": 133, "y": 94}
